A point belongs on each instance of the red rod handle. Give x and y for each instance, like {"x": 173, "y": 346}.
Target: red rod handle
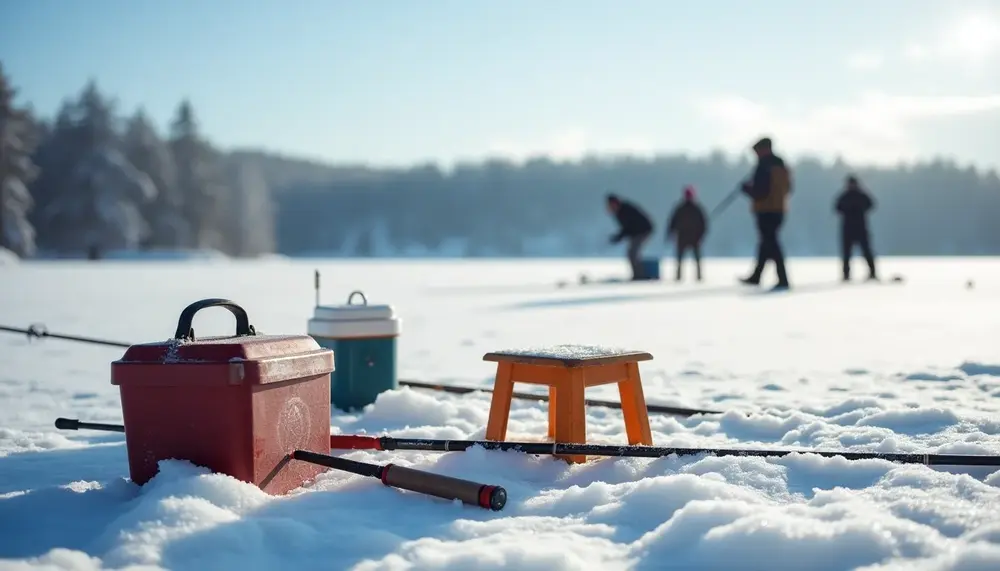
{"x": 354, "y": 442}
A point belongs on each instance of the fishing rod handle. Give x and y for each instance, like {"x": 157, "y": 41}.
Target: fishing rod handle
{"x": 74, "y": 424}
{"x": 472, "y": 493}
{"x": 67, "y": 424}
{"x": 356, "y": 442}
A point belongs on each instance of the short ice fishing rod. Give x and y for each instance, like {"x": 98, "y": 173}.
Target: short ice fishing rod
{"x": 651, "y": 408}
{"x": 40, "y": 332}
{"x": 361, "y": 442}
{"x": 726, "y": 201}
{"x": 480, "y": 495}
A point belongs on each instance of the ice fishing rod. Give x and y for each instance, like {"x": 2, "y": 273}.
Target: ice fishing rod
{"x": 653, "y": 408}
{"x": 361, "y": 442}
{"x": 39, "y": 331}
{"x": 74, "y": 424}
{"x": 473, "y": 493}
{"x": 719, "y": 208}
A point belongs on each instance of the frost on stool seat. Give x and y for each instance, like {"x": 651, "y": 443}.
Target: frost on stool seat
{"x": 568, "y": 370}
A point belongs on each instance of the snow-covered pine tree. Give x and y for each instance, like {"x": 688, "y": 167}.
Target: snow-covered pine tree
{"x": 17, "y": 142}
{"x": 149, "y": 153}
{"x": 199, "y": 181}
{"x": 54, "y": 158}
{"x": 100, "y": 195}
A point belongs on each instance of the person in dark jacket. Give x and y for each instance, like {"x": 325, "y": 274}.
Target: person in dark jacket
{"x": 769, "y": 190}
{"x": 634, "y": 225}
{"x": 687, "y": 226}
{"x": 853, "y": 206}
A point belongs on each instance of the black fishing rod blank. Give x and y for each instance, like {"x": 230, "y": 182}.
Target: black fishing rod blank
{"x": 652, "y": 408}
{"x": 719, "y": 208}
{"x": 40, "y": 332}
{"x": 361, "y": 442}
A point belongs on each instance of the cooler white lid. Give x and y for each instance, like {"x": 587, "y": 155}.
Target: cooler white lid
{"x": 354, "y": 310}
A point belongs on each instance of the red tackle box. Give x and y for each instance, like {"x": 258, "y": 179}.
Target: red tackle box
{"x": 237, "y": 405}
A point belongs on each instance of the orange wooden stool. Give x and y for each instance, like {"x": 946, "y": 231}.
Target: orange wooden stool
{"x": 567, "y": 370}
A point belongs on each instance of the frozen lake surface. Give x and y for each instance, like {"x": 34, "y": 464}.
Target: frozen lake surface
{"x": 911, "y": 367}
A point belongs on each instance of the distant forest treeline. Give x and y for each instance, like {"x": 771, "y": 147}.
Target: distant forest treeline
{"x": 543, "y": 207}
{"x": 89, "y": 178}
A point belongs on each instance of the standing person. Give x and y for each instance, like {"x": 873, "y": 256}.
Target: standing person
{"x": 687, "y": 226}
{"x": 633, "y": 224}
{"x": 853, "y": 206}
{"x": 769, "y": 190}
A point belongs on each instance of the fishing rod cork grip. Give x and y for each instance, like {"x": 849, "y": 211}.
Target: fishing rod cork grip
{"x": 485, "y": 496}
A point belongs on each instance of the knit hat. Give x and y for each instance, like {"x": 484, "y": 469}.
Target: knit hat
{"x": 689, "y": 192}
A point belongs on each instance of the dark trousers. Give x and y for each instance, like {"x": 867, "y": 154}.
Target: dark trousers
{"x": 681, "y": 249}
{"x": 768, "y": 247}
{"x": 849, "y": 237}
{"x": 635, "y": 244}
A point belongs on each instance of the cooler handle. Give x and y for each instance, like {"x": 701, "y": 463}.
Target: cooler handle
{"x": 186, "y": 332}
{"x": 364, "y": 300}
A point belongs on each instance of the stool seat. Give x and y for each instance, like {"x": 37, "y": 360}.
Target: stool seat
{"x": 568, "y": 370}
{"x": 568, "y": 356}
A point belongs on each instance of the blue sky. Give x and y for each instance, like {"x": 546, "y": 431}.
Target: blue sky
{"x": 405, "y": 81}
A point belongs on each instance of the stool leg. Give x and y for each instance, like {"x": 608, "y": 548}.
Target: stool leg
{"x": 552, "y": 412}
{"x": 571, "y": 415}
{"x": 503, "y": 389}
{"x": 634, "y": 407}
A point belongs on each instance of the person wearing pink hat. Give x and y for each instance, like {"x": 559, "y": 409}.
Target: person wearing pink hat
{"x": 687, "y": 226}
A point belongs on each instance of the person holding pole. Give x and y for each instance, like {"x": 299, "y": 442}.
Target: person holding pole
{"x": 687, "y": 226}
{"x": 769, "y": 189}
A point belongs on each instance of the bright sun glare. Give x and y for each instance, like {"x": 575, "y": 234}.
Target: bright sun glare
{"x": 974, "y": 37}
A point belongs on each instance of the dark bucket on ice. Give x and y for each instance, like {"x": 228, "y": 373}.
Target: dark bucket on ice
{"x": 651, "y": 268}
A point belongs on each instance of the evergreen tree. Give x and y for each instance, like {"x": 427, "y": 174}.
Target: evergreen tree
{"x": 199, "y": 181}
{"x": 95, "y": 197}
{"x": 150, "y": 154}
{"x": 17, "y": 140}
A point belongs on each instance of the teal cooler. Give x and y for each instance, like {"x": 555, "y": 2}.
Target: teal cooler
{"x": 651, "y": 268}
{"x": 363, "y": 340}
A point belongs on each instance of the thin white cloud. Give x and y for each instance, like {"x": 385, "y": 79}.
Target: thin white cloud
{"x": 876, "y": 128}
{"x": 865, "y": 61}
{"x": 971, "y": 40}
{"x": 569, "y": 144}
{"x": 916, "y": 53}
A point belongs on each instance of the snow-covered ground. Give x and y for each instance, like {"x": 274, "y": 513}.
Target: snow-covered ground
{"x": 8, "y": 258}
{"x": 891, "y": 367}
